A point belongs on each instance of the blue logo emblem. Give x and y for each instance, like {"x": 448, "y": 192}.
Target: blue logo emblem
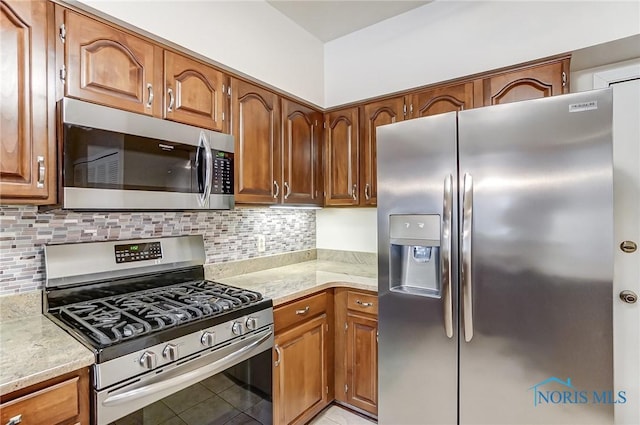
{"x": 571, "y": 395}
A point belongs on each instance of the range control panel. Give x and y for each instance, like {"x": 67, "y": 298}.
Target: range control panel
{"x": 138, "y": 252}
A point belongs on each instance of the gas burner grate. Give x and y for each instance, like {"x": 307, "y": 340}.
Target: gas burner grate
{"x": 118, "y": 318}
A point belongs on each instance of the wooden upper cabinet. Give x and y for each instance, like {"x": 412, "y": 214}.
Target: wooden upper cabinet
{"x": 194, "y": 92}
{"x": 27, "y": 136}
{"x": 301, "y": 156}
{"x": 374, "y": 115}
{"x": 256, "y": 129}
{"x": 342, "y": 157}
{"x": 440, "y": 100}
{"x": 534, "y": 82}
{"x": 111, "y": 67}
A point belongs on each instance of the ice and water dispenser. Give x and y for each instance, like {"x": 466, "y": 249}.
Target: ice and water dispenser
{"x": 414, "y": 264}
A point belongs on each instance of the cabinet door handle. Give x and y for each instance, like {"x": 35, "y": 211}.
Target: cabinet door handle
{"x": 303, "y": 311}
{"x": 15, "y": 420}
{"x": 277, "y": 362}
{"x": 364, "y": 304}
{"x": 171, "y": 99}
{"x": 288, "y": 190}
{"x": 367, "y": 189}
{"x": 150, "y": 89}
{"x": 41, "y": 172}
{"x": 353, "y": 192}
{"x": 275, "y": 184}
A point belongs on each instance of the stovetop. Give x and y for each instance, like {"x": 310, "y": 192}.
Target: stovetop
{"x": 115, "y": 319}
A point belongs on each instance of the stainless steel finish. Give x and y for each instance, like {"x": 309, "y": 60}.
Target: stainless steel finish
{"x": 414, "y": 157}
{"x": 354, "y": 192}
{"x": 287, "y": 193}
{"x": 542, "y": 258}
{"x": 277, "y": 191}
{"x": 148, "y": 360}
{"x": 629, "y": 297}
{"x": 170, "y": 352}
{"x": 143, "y": 390}
{"x": 101, "y": 199}
{"x": 204, "y": 200}
{"x": 363, "y": 304}
{"x": 367, "y": 189}
{"x": 171, "y": 99}
{"x": 628, "y": 246}
{"x": 62, "y": 33}
{"x": 237, "y": 328}
{"x": 208, "y": 338}
{"x": 445, "y": 255}
{"x": 96, "y": 116}
{"x": 303, "y": 311}
{"x": 279, "y": 353}
{"x": 84, "y": 262}
{"x": 466, "y": 255}
{"x": 251, "y": 323}
{"x": 150, "y": 99}
{"x": 41, "y": 171}
{"x": 122, "y": 368}
{"x": 15, "y": 420}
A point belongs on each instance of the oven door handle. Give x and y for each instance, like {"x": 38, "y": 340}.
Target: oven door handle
{"x": 191, "y": 376}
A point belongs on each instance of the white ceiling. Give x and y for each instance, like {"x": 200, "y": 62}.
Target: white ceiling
{"x": 328, "y": 20}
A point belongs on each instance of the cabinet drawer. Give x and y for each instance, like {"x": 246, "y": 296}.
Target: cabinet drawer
{"x": 299, "y": 311}
{"x": 366, "y": 303}
{"x": 48, "y": 406}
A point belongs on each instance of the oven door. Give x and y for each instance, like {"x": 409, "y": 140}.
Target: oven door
{"x": 119, "y": 160}
{"x": 232, "y": 382}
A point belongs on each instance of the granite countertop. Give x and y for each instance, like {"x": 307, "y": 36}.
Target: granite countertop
{"x": 287, "y": 283}
{"x": 34, "y": 349}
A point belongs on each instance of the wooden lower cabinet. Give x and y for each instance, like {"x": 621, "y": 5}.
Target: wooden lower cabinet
{"x": 60, "y": 401}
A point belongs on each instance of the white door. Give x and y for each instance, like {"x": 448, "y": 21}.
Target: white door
{"x": 626, "y": 178}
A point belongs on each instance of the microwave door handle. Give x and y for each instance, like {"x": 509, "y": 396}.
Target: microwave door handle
{"x": 204, "y": 200}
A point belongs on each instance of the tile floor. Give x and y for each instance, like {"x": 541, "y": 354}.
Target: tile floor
{"x": 335, "y": 415}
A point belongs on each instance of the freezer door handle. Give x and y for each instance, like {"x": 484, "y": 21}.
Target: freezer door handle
{"x": 467, "y": 285}
{"x": 445, "y": 258}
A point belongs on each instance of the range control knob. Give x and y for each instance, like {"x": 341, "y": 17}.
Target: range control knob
{"x": 208, "y": 338}
{"x": 148, "y": 360}
{"x": 170, "y": 352}
{"x": 236, "y": 328}
{"x": 251, "y": 323}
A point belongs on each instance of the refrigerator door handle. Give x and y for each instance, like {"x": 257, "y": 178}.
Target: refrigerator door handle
{"x": 445, "y": 258}
{"x": 467, "y": 227}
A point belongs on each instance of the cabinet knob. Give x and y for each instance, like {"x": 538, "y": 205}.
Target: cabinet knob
{"x": 277, "y": 362}
{"x": 277, "y": 190}
{"x": 15, "y": 420}
{"x": 41, "y": 172}
{"x": 303, "y": 311}
{"x": 171, "y": 99}
{"x": 354, "y": 191}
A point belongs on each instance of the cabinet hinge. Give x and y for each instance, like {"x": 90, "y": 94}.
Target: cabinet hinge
{"x": 223, "y": 116}
{"x": 327, "y": 327}
{"x": 324, "y": 124}
{"x": 63, "y": 74}
{"x": 63, "y": 33}
{"x": 404, "y": 110}
{"x": 346, "y": 388}
{"x": 564, "y": 79}
{"x": 316, "y": 123}
{"x": 326, "y": 390}
{"x": 346, "y": 326}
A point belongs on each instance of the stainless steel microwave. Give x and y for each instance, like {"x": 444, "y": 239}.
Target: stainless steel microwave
{"x": 118, "y": 160}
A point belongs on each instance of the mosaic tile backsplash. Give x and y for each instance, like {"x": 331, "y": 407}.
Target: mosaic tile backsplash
{"x": 228, "y": 235}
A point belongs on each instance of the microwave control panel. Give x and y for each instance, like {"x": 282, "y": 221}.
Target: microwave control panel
{"x": 222, "y": 172}
{"x": 138, "y": 252}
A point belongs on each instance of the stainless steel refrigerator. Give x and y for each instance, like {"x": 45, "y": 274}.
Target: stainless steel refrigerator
{"x": 495, "y": 233}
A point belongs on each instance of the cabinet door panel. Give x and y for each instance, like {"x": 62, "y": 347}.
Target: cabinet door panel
{"x": 193, "y": 92}
{"x": 110, "y": 67}
{"x": 342, "y": 157}
{"x": 441, "y": 100}
{"x": 300, "y": 378}
{"x": 301, "y": 156}
{"x": 374, "y": 115}
{"x": 362, "y": 355}
{"x": 525, "y": 84}
{"x": 27, "y": 143}
{"x": 256, "y": 118}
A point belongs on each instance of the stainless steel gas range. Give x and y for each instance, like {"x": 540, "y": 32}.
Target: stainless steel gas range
{"x": 169, "y": 345}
